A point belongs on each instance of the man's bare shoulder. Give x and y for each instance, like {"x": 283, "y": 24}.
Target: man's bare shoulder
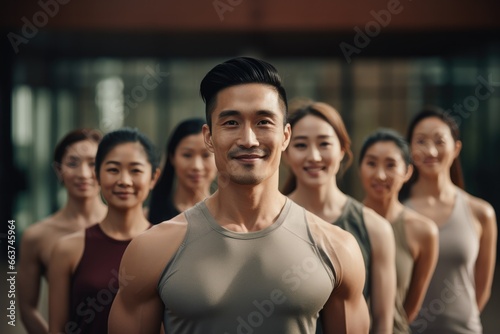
{"x": 169, "y": 230}
{"x": 151, "y": 250}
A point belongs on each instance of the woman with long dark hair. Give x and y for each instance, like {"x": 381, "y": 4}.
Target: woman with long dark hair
{"x": 384, "y": 165}
{"x": 461, "y": 284}
{"x": 190, "y": 163}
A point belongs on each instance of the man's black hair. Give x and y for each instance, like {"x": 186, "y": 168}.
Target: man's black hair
{"x": 239, "y": 71}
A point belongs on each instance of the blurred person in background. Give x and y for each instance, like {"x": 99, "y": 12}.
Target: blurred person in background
{"x": 74, "y": 160}
{"x": 385, "y": 164}
{"x": 83, "y": 270}
{"x": 461, "y": 284}
{"x": 189, "y": 162}
{"x": 319, "y": 146}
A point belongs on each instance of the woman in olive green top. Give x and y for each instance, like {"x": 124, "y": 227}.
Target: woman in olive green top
{"x": 319, "y": 148}
{"x": 384, "y": 167}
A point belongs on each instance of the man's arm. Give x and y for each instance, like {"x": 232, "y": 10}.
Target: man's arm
{"x": 30, "y": 274}
{"x": 137, "y": 307}
{"x": 383, "y": 272}
{"x": 346, "y": 310}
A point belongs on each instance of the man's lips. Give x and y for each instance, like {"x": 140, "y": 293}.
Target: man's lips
{"x": 248, "y": 157}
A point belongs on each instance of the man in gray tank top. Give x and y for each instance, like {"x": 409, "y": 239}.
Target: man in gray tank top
{"x": 246, "y": 259}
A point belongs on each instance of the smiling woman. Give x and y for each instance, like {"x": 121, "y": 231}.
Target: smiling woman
{"x": 190, "y": 163}
{"x": 385, "y": 164}
{"x": 467, "y": 228}
{"x": 84, "y": 265}
{"x": 74, "y": 160}
{"x": 319, "y": 147}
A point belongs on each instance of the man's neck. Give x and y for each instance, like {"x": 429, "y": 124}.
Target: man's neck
{"x": 247, "y": 208}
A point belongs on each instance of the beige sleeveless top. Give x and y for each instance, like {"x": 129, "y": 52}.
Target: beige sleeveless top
{"x": 275, "y": 280}
{"x": 404, "y": 270}
{"x": 450, "y": 304}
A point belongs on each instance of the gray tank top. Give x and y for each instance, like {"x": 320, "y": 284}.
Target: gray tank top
{"x": 275, "y": 280}
{"x": 450, "y": 303}
{"x": 404, "y": 271}
{"x": 352, "y": 220}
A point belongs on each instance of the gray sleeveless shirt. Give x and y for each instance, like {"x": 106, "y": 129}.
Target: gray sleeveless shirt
{"x": 450, "y": 303}
{"x": 352, "y": 220}
{"x": 275, "y": 280}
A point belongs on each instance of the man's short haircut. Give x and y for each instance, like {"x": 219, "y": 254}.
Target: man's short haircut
{"x": 239, "y": 71}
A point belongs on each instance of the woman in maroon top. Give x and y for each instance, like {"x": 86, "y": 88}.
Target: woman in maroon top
{"x": 83, "y": 270}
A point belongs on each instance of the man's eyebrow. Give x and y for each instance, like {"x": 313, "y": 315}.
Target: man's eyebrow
{"x": 113, "y": 162}
{"x": 228, "y": 113}
{"x": 231, "y": 113}
{"x": 267, "y": 113}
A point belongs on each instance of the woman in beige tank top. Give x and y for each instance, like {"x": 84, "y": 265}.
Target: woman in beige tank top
{"x": 461, "y": 284}
{"x": 385, "y": 164}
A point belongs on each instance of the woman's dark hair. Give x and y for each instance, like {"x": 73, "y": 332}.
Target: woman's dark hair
{"x": 72, "y": 137}
{"x": 456, "y": 168}
{"x": 162, "y": 192}
{"x": 239, "y": 71}
{"x": 326, "y": 112}
{"x": 123, "y": 136}
{"x": 386, "y": 135}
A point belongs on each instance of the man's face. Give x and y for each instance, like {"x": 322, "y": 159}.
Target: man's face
{"x": 247, "y": 135}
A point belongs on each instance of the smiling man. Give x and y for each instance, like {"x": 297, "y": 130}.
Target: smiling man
{"x": 247, "y": 259}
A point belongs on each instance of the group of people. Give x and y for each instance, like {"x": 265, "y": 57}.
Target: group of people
{"x": 416, "y": 255}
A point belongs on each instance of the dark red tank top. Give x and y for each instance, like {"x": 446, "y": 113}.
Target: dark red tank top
{"x": 94, "y": 283}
